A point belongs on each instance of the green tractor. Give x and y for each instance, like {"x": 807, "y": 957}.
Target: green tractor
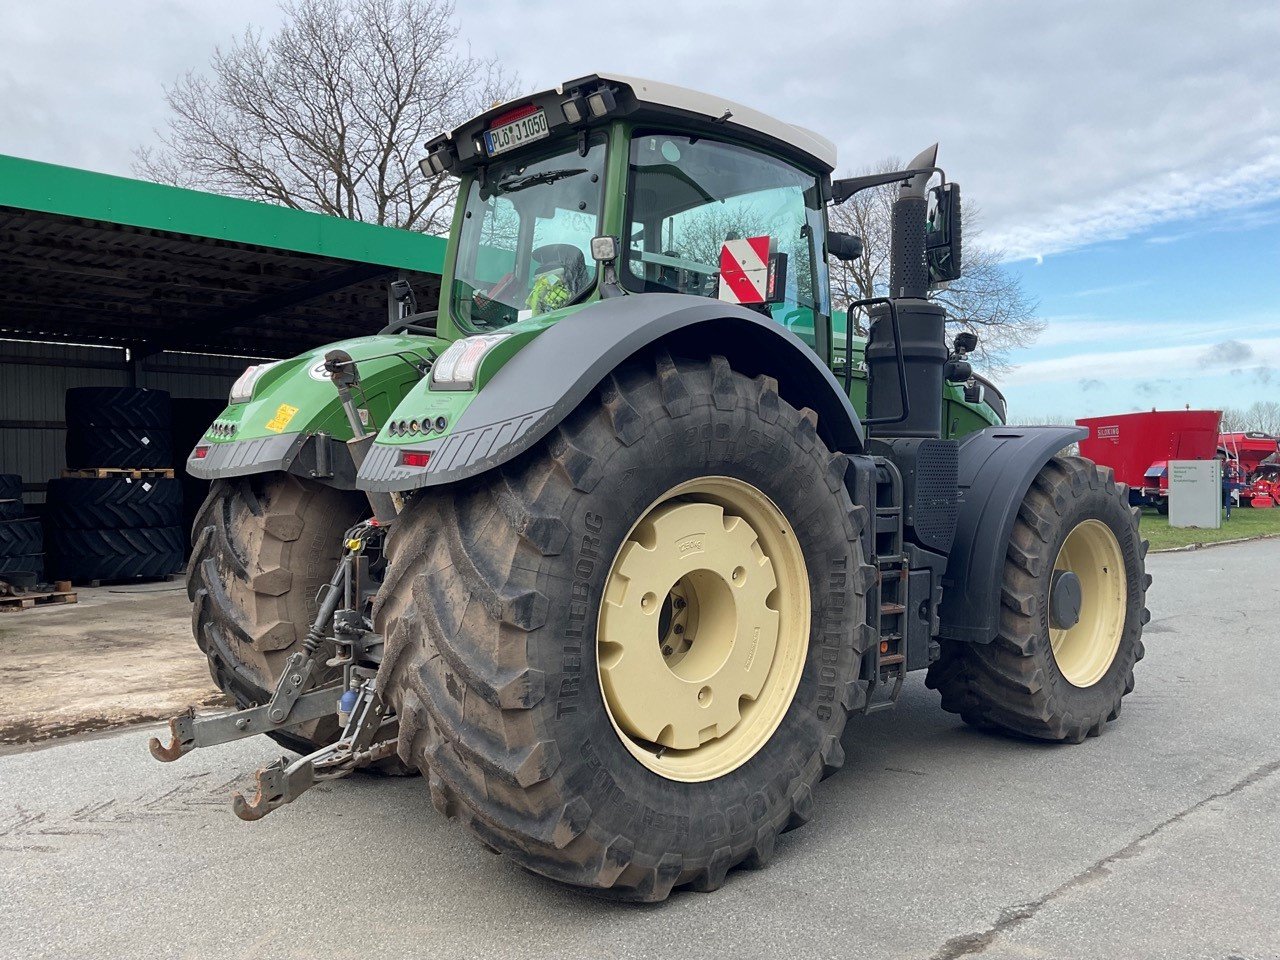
{"x": 611, "y": 546}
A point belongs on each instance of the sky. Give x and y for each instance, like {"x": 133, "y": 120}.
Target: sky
{"x": 1125, "y": 155}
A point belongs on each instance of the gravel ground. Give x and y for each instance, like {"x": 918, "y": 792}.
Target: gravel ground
{"x": 118, "y": 655}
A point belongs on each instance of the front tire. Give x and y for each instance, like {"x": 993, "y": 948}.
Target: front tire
{"x": 505, "y": 675}
{"x": 1064, "y": 657}
{"x": 262, "y": 547}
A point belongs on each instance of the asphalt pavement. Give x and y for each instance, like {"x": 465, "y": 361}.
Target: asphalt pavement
{"x": 1159, "y": 839}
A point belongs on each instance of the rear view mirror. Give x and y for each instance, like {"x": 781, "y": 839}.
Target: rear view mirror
{"x": 943, "y": 233}
{"x": 843, "y": 246}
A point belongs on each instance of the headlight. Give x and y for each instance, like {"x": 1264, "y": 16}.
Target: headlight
{"x": 456, "y": 368}
{"x": 242, "y": 389}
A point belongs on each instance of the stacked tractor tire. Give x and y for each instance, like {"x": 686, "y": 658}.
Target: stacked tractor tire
{"x": 21, "y": 539}
{"x": 117, "y": 513}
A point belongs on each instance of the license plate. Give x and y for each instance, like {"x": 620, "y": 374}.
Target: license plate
{"x": 511, "y": 135}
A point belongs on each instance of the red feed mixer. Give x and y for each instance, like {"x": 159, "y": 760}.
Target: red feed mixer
{"x": 1138, "y": 446}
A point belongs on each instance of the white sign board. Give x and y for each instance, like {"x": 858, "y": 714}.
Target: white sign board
{"x": 1195, "y": 494}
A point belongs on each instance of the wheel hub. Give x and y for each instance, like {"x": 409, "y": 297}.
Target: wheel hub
{"x": 1088, "y": 600}
{"x": 703, "y": 629}
{"x": 1064, "y": 600}
{"x": 685, "y": 689}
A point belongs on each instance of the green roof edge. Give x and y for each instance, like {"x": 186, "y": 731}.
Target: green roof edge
{"x": 67, "y": 191}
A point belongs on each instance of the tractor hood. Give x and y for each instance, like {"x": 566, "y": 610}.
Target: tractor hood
{"x": 278, "y": 406}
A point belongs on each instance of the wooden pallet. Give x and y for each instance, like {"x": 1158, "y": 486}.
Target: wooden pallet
{"x": 153, "y": 473}
{"x": 25, "y": 601}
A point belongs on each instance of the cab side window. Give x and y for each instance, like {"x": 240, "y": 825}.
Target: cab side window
{"x": 689, "y": 196}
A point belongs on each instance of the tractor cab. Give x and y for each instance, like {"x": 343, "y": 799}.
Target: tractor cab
{"x": 611, "y": 186}
{"x": 703, "y": 196}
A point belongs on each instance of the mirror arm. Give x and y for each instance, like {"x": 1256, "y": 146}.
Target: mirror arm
{"x": 843, "y": 189}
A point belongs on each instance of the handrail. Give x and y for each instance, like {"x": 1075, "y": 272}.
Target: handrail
{"x": 905, "y": 404}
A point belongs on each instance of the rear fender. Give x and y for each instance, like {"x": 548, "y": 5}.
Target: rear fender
{"x": 997, "y": 466}
{"x": 545, "y": 380}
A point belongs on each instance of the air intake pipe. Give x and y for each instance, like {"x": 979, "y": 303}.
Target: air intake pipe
{"x": 905, "y": 399}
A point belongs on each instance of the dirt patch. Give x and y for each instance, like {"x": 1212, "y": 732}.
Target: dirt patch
{"x": 122, "y": 655}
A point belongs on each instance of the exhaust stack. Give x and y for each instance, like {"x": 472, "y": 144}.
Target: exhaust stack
{"x": 922, "y": 324}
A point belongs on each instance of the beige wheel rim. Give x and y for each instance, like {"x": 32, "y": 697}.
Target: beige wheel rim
{"x": 1085, "y": 652}
{"x": 703, "y": 629}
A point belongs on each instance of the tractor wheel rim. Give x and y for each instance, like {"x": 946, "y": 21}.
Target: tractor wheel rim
{"x": 1084, "y": 652}
{"x": 703, "y": 629}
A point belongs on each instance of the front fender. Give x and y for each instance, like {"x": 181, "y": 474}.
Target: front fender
{"x": 294, "y": 420}
{"x": 997, "y": 466}
{"x": 554, "y": 372}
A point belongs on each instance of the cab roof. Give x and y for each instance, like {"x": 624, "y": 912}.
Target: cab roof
{"x": 643, "y": 100}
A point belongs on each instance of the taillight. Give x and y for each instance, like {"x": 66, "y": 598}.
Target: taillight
{"x": 413, "y": 458}
{"x": 200, "y": 453}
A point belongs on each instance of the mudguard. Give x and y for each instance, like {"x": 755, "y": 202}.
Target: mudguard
{"x": 294, "y": 420}
{"x": 546, "y": 379}
{"x": 997, "y": 466}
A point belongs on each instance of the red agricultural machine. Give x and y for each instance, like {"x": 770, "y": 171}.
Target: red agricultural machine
{"x": 1256, "y": 457}
{"x": 1138, "y": 447}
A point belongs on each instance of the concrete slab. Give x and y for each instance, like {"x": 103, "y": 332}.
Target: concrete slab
{"x": 1158, "y": 839}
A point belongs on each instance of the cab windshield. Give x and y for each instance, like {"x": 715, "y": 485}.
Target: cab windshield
{"x": 525, "y": 243}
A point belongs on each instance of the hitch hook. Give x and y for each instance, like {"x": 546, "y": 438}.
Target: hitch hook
{"x": 278, "y": 783}
{"x": 182, "y": 738}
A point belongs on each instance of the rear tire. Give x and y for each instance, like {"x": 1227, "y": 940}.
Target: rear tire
{"x": 10, "y": 486}
{"x": 1034, "y": 679}
{"x": 264, "y": 545}
{"x": 118, "y": 407}
{"x": 21, "y": 537}
{"x": 83, "y": 555}
{"x": 139, "y": 448}
{"x": 491, "y": 609}
{"x": 32, "y": 563}
{"x": 119, "y": 503}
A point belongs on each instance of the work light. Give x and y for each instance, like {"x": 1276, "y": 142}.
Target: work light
{"x": 242, "y": 389}
{"x": 604, "y": 249}
{"x": 572, "y": 109}
{"x": 601, "y": 102}
{"x": 456, "y": 368}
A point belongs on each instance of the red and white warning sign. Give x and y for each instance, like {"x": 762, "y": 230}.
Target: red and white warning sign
{"x": 744, "y": 270}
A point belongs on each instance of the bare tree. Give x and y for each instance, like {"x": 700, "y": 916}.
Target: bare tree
{"x": 1263, "y": 415}
{"x": 988, "y": 299}
{"x": 330, "y": 113}
{"x": 1233, "y": 420}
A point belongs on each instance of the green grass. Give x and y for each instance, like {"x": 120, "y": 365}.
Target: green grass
{"x": 1244, "y": 522}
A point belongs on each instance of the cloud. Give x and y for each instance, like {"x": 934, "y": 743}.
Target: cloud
{"x": 1111, "y": 289}
{"x": 81, "y": 84}
{"x": 1227, "y": 353}
{"x": 1065, "y": 330}
{"x": 1067, "y": 125}
{"x": 1089, "y": 383}
{"x": 1182, "y": 362}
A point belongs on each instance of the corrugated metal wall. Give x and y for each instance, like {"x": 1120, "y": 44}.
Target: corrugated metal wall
{"x": 35, "y": 376}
